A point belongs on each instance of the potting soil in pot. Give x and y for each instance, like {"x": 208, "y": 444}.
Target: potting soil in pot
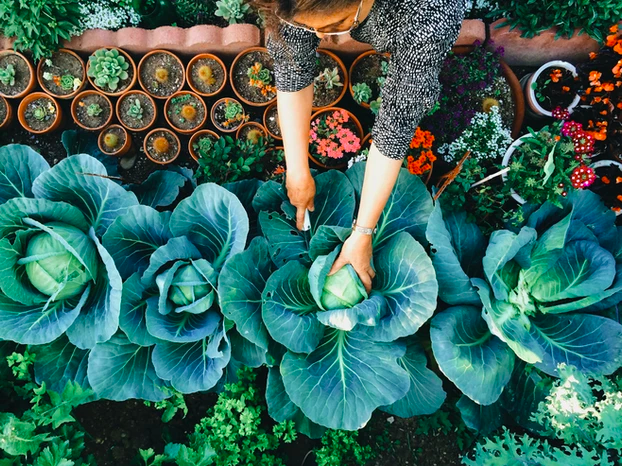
{"x": 22, "y": 74}
{"x": 207, "y": 75}
{"x": 64, "y": 69}
{"x": 172, "y": 146}
{"x": 608, "y": 186}
{"x": 251, "y": 133}
{"x": 129, "y": 101}
{"x": 368, "y": 70}
{"x": 560, "y": 92}
{"x": 242, "y": 81}
{"x": 119, "y": 134}
{"x": 40, "y": 114}
{"x": 272, "y": 121}
{"x": 93, "y": 121}
{"x": 3, "y": 111}
{"x": 322, "y": 95}
{"x": 162, "y": 74}
{"x": 186, "y": 112}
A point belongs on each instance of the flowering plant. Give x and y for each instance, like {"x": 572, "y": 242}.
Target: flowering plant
{"x": 331, "y": 137}
{"x": 420, "y": 157}
{"x": 556, "y": 87}
{"x": 260, "y": 77}
{"x": 601, "y": 94}
{"x": 486, "y": 137}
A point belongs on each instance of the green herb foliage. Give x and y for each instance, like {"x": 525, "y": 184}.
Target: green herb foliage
{"x": 341, "y": 447}
{"x": 39, "y": 26}
{"x": 534, "y": 16}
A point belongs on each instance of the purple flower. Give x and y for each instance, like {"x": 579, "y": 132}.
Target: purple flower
{"x": 460, "y": 89}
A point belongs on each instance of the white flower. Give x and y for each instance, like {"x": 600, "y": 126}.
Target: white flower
{"x": 47, "y": 75}
{"x": 358, "y": 158}
{"x": 77, "y": 83}
{"x": 48, "y": 62}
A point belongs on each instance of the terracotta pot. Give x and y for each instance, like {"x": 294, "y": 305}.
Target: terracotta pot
{"x": 126, "y": 96}
{"x": 32, "y": 97}
{"x": 233, "y": 82}
{"x": 189, "y": 74}
{"x": 66, "y": 96}
{"x": 142, "y": 63}
{"x": 179, "y": 146}
{"x": 265, "y": 119}
{"x": 534, "y": 107}
{"x": 31, "y": 81}
{"x": 342, "y": 67}
{"x": 196, "y": 137}
{"x": 366, "y": 140}
{"x": 77, "y": 100}
{"x": 8, "y": 118}
{"x": 214, "y": 122}
{"x": 359, "y": 134}
{"x": 132, "y": 66}
{"x": 259, "y": 127}
{"x": 352, "y": 67}
{"x": 127, "y": 145}
{"x": 192, "y": 130}
{"x": 513, "y": 82}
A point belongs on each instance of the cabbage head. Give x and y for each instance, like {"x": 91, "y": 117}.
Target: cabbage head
{"x": 343, "y": 289}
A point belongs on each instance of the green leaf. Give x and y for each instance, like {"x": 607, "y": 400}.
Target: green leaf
{"x": 18, "y": 438}
{"x": 19, "y": 167}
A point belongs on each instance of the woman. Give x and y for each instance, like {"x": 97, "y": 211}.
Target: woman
{"x": 418, "y": 34}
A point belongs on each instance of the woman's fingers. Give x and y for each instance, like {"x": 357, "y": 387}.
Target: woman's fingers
{"x": 339, "y": 264}
{"x": 300, "y": 217}
{"x": 366, "y": 278}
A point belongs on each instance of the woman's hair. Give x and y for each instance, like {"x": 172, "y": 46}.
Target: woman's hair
{"x": 287, "y": 9}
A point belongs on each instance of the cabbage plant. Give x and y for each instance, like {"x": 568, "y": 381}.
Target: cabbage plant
{"x": 335, "y": 352}
{"x": 173, "y": 333}
{"x": 57, "y": 280}
{"x": 537, "y": 295}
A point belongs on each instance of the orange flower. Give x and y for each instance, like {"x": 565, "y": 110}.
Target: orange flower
{"x": 593, "y": 77}
{"x": 566, "y": 88}
{"x": 557, "y": 138}
{"x": 592, "y": 55}
{"x": 598, "y": 89}
{"x": 618, "y": 179}
{"x": 616, "y": 71}
{"x": 614, "y": 28}
{"x": 617, "y": 47}
{"x": 555, "y": 75}
{"x": 588, "y": 90}
{"x": 608, "y": 87}
{"x": 596, "y": 99}
{"x": 605, "y": 180}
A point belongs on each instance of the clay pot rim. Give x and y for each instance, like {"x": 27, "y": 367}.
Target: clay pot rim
{"x": 90, "y": 92}
{"x": 360, "y": 57}
{"x": 132, "y": 64}
{"x": 34, "y": 96}
{"x": 219, "y": 127}
{"x": 532, "y": 96}
{"x": 149, "y": 54}
{"x": 268, "y": 108}
{"x": 123, "y": 149}
{"x": 179, "y": 130}
{"x": 256, "y": 124}
{"x": 346, "y": 83}
{"x": 124, "y": 96}
{"x": 73, "y": 93}
{"x": 195, "y": 59}
{"x": 232, "y": 81}
{"x": 353, "y": 118}
{"x": 9, "y": 112}
{"x": 195, "y": 137}
{"x": 31, "y": 81}
{"x": 179, "y": 146}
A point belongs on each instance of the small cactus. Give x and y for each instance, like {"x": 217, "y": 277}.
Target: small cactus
{"x": 488, "y": 103}
{"x": 162, "y": 75}
{"x": 188, "y": 112}
{"x": 206, "y": 75}
{"x": 161, "y": 145}
{"x": 111, "y": 140}
{"x": 254, "y": 136}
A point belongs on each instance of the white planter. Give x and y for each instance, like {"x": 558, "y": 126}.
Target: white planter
{"x": 606, "y": 163}
{"x": 533, "y": 103}
{"x": 506, "y": 162}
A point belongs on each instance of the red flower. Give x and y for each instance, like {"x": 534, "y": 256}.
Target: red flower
{"x": 582, "y": 177}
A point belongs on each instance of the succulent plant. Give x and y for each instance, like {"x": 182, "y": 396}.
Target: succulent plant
{"x": 93, "y": 110}
{"x": 39, "y": 113}
{"x": 7, "y": 75}
{"x": 328, "y": 78}
{"x": 108, "y": 68}
{"x": 67, "y": 82}
{"x": 362, "y": 92}
{"x": 232, "y": 110}
{"x": 375, "y": 106}
{"x": 232, "y": 11}
{"x": 136, "y": 110}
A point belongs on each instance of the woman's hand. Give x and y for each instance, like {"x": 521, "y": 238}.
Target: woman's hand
{"x": 301, "y": 191}
{"x": 357, "y": 251}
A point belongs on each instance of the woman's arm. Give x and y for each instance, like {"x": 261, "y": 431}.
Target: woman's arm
{"x": 296, "y": 108}
{"x": 378, "y": 183}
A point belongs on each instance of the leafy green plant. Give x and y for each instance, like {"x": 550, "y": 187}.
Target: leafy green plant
{"x": 528, "y": 294}
{"x": 535, "y": 16}
{"x": 93, "y": 110}
{"x": 341, "y": 447}
{"x": 39, "y": 26}
{"x": 136, "y": 110}
{"x": 375, "y": 105}
{"x": 583, "y": 412}
{"x": 40, "y": 113}
{"x": 328, "y": 78}
{"x": 232, "y": 11}
{"x": 362, "y": 92}
{"x": 7, "y": 75}
{"x": 229, "y": 160}
{"x": 108, "y": 68}
{"x": 277, "y": 292}
{"x": 170, "y": 406}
